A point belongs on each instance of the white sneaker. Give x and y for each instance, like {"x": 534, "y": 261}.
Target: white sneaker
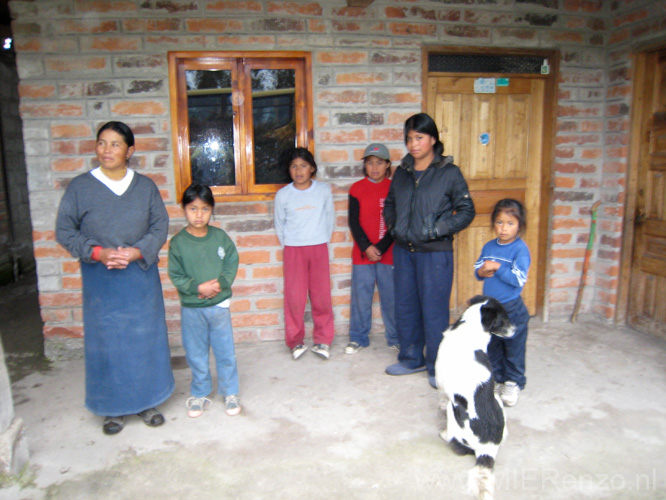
{"x": 298, "y": 351}
{"x": 509, "y": 393}
{"x": 321, "y": 350}
{"x": 353, "y": 348}
{"x": 196, "y": 406}
{"x": 232, "y": 405}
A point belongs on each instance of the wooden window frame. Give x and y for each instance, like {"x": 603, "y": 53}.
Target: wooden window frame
{"x": 240, "y": 63}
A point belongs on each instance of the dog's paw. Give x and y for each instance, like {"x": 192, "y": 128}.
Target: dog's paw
{"x": 443, "y": 435}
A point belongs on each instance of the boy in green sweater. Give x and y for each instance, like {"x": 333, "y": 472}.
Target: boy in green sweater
{"x": 203, "y": 262}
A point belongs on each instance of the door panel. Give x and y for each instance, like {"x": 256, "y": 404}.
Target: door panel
{"x": 647, "y": 308}
{"x": 496, "y": 140}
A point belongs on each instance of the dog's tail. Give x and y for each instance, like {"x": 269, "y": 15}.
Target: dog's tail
{"x": 481, "y": 480}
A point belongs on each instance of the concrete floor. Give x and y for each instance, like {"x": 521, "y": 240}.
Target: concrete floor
{"x": 591, "y": 424}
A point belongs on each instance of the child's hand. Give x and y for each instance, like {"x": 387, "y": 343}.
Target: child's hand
{"x": 487, "y": 270}
{"x": 209, "y": 289}
{"x": 373, "y": 254}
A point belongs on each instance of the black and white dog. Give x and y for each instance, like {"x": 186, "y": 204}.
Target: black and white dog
{"x": 475, "y": 415}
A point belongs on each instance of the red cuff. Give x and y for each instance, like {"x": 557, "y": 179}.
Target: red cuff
{"x": 95, "y": 253}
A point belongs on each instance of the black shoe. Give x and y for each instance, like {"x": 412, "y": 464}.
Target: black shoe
{"x": 151, "y": 417}
{"x": 113, "y": 425}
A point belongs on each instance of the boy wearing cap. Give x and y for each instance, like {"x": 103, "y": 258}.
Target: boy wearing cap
{"x": 372, "y": 254}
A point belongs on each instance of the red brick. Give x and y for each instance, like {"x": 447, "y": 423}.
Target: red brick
{"x": 246, "y": 40}
{"x": 254, "y": 257}
{"x": 258, "y": 240}
{"x": 333, "y": 156}
{"x": 316, "y": 26}
{"x": 386, "y": 135}
{"x": 70, "y": 130}
{"x": 57, "y": 110}
{"x": 565, "y": 182}
{"x": 294, "y": 8}
{"x": 234, "y": 7}
{"x": 103, "y": 6}
{"x": 68, "y": 164}
{"x": 71, "y": 283}
{"x": 240, "y": 306}
{"x": 560, "y": 239}
{"x": 159, "y": 179}
{"x": 339, "y": 237}
{"x": 270, "y": 304}
{"x": 561, "y": 210}
{"x": 360, "y": 78}
{"x": 60, "y": 299}
{"x": 338, "y": 268}
{"x": 87, "y": 26}
{"x": 342, "y": 252}
{"x": 568, "y": 253}
{"x": 213, "y": 25}
{"x": 27, "y": 91}
{"x": 152, "y": 144}
{"x": 43, "y": 236}
{"x": 64, "y": 332}
{"x": 114, "y": 44}
{"x": 133, "y": 108}
{"x": 244, "y": 320}
{"x": 56, "y": 315}
{"x": 266, "y": 272}
{"x": 341, "y": 300}
{"x": 71, "y": 267}
{"x": 342, "y": 57}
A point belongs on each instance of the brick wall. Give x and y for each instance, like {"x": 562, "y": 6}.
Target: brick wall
{"x": 83, "y": 62}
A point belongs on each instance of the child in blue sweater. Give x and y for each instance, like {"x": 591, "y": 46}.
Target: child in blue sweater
{"x": 503, "y": 267}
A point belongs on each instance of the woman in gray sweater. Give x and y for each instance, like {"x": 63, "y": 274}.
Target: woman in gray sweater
{"x": 113, "y": 220}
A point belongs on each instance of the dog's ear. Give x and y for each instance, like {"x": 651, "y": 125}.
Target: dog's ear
{"x": 477, "y": 300}
{"x": 493, "y": 316}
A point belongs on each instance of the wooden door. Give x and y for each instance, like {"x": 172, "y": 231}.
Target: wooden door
{"x": 647, "y": 307}
{"x": 495, "y": 137}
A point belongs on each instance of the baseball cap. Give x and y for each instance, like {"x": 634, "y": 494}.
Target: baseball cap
{"x": 378, "y": 150}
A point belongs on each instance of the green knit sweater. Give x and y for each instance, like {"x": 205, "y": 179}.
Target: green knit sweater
{"x": 194, "y": 260}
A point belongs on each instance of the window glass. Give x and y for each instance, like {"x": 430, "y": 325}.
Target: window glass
{"x": 210, "y": 115}
{"x": 274, "y": 121}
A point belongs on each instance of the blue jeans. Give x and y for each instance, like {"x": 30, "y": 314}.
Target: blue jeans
{"x": 507, "y": 356}
{"x": 364, "y": 277}
{"x": 423, "y": 288}
{"x": 203, "y": 328}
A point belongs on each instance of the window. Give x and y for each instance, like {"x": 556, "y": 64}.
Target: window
{"x": 233, "y": 113}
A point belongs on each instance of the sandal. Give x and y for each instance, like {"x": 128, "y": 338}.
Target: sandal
{"x": 151, "y": 417}
{"x": 113, "y": 425}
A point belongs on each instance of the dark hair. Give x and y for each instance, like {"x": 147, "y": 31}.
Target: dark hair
{"x": 423, "y": 123}
{"x": 200, "y": 191}
{"x": 511, "y": 207}
{"x": 387, "y": 175}
{"x": 121, "y": 129}
{"x": 289, "y": 155}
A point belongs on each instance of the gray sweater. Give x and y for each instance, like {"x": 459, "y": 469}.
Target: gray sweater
{"x": 91, "y": 214}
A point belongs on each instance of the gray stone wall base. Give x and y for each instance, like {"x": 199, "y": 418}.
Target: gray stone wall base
{"x": 13, "y": 449}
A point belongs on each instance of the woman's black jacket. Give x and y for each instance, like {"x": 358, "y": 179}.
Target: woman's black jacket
{"x": 423, "y": 214}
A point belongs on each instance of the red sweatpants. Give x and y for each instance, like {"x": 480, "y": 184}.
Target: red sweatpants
{"x": 306, "y": 272}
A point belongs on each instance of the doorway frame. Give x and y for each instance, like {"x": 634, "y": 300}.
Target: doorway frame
{"x": 541, "y": 255}
{"x": 639, "y": 111}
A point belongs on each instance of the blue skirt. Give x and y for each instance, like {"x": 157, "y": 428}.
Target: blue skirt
{"x": 127, "y": 357}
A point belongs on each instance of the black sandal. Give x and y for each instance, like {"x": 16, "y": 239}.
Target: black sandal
{"x": 113, "y": 425}
{"x": 151, "y": 417}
